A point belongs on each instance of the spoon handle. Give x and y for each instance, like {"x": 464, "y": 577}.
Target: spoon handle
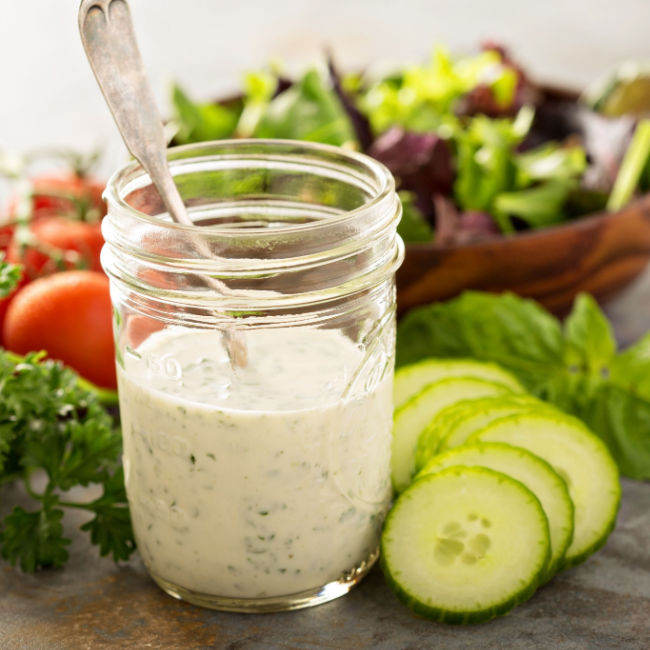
{"x": 109, "y": 40}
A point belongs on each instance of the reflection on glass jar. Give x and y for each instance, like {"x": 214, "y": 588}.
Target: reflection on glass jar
{"x": 259, "y": 485}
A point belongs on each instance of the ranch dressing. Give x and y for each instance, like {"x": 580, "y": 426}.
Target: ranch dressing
{"x": 257, "y": 482}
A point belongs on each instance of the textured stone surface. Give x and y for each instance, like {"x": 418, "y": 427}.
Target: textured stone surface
{"x": 602, "y": 604}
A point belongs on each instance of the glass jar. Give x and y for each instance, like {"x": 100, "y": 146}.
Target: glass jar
{"x": 255, "y": 355}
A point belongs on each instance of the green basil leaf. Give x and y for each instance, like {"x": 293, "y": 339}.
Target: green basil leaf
{"x": 590, "y": 342}
{"x": 631, "y": 368}
{"x": 622, "y": 420}
{"x": 575, "y": 368}
{"x": 517, "y": 333}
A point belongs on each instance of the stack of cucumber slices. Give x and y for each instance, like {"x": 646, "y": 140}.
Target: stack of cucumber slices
{"x": 497, "y": 491}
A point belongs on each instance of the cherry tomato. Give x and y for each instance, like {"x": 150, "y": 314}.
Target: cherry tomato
{"x": 58, "y": 244}
{"x": 6, "y": 234}
{"x": 66, "y": 194}
{"x": 4, "y": 303}
{"x": 69, "y": 315}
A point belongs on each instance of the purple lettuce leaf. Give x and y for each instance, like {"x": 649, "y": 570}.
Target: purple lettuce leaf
{"x": 421, "y": 162}
{"x": 360, "y": 123}
{"x": 454, "y": 227}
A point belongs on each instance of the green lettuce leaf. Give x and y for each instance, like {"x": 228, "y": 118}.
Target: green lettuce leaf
{"x": 486, "y": 162}
{"x": 538, "y": 206}
{"x": 413, "y": 227}
{"x": 551, "y": 161}
{"x": 308, "y": 110}
{"x": 631, "y": 171}
{"x": 419, "y": 97}
{"x": 197, "y": 122}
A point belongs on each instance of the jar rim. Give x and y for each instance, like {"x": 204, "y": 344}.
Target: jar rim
{"x": 245, "y": 149}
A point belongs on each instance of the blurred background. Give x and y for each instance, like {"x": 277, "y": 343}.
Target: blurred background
{"x": 50, "y": 97}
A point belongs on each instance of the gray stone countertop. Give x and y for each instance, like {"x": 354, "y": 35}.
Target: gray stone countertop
{"x": 601, "y": 604}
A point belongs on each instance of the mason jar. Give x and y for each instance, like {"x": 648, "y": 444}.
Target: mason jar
{"x": 255, "y": 355}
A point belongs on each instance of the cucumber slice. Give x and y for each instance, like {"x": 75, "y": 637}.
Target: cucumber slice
{"x": 411, "y": 379}
{"x": 415, "y": 415}
{"x": 465, "y": 545}
{"x": 497, "y": 409}
{"x": 581, "y": 459}
{"x": 464, "y": 418}
{"x": 536, "y": 474}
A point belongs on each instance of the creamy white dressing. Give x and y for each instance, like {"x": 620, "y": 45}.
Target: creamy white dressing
{"x": 260, "y": 482}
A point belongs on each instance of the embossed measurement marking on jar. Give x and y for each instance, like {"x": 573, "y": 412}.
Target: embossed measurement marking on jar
{"x": 164, "y": 365}
{"x": 163, "y": 441}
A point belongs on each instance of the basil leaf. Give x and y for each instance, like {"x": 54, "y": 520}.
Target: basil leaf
{"x": 631, "y": 368}
{"x": 622, "y": 420}
{"x": 575, "y": 368}
{"x": 517, "y": 333}
{"x": 589, "y": 337}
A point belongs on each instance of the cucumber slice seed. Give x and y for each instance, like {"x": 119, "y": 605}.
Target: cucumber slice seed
{"x": 450, "y": 551}
{"x": 536, "y": 474}
{"x": 455, "y": 423}
{"x": 411, "y": 379}
{"x": 411, "y": 418}
{"x": 581, "y": 459}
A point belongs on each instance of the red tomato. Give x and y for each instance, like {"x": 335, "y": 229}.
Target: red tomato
{"x": 139, "y": 328}
{"x": 67, "y": 194}
{"x": 69, "y": 315}
{"x": 60, "y": 244}
{"x": 6, "y": 233}
{"x": 4, "y": 303}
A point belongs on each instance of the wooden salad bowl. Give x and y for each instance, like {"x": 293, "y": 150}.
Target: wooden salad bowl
{"x": 599, "y": 254}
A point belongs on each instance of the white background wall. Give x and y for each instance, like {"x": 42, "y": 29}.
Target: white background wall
{"x": 49, "y": 97}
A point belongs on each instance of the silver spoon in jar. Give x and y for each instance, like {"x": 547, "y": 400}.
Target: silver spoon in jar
{"x": 109, "y": 41}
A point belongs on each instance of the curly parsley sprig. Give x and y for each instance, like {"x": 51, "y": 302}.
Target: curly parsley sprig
{"x": 9, "y": 276}
{"x": 52, "y": 423}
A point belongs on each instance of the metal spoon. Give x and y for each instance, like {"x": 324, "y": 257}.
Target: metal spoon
{"x": 109, "y": 41}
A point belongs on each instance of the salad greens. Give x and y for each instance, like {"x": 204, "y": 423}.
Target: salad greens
{"x": 635, "y": 168}
{"x": 575, "y": 366}
{"x": 413, "y": 227}
{"x": 196, "y": 122}
{"x": 308, "y": 110}
{"x": 53, "y": 427}
{"x": 422, "y": 98}
{"x": 470, "y": 130}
